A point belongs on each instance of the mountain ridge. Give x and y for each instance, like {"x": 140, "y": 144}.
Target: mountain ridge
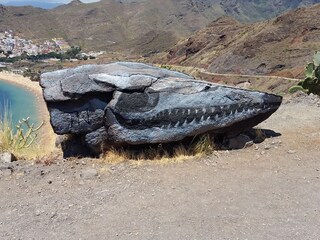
{"x": 133, "y": 26}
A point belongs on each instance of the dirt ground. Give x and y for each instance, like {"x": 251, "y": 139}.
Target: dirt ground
{"x": 267, "y": 191}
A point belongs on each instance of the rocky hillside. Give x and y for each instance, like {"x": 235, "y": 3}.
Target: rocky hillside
{"x": 140, "y": 26}
{"x": 282, "y": 45}
{"x": 30, "y": 23}
{"x": 255, "y": 10}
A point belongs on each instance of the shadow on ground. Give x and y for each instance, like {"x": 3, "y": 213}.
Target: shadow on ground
{"x": 199, "y": 145}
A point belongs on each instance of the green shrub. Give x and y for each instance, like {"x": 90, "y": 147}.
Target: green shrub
{"x": 166, "y": 67}
{"x": 22, "y": 136}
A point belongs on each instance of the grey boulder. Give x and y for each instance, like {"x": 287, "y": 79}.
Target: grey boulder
{"x": 133, "y": 103}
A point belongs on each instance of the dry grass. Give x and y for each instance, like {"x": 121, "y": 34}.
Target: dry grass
{"x": 24, "y": 140}
{"x": 5, "y": 129}
{"x": 162, "y": 153}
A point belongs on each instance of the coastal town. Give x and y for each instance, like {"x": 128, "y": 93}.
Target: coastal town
{"x": 31, "y": 57}
{"x": 12, "y": 45}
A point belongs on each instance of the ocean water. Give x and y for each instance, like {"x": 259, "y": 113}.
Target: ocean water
{"x": 20, "y": 102}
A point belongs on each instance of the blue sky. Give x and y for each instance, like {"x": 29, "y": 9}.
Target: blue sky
{"x": 48, "y": 1}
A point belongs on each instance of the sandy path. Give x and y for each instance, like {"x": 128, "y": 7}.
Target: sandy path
{"x": 268, "y": 191}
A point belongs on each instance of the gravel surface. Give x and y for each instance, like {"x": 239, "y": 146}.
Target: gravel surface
{"x": 266, "y": 191}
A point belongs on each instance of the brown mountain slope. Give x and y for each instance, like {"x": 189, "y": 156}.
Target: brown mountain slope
{"x": 227, "y": 46}
{"x": 111, "y": 23}
{"x": 123, "y": 25}
{"x": 31, "y": 23}
{"x": 139, "y": 26}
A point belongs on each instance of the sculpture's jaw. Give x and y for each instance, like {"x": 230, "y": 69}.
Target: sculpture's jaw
{"x": 171, "y": 117}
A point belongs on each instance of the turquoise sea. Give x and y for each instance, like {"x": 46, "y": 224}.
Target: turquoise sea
{"x": 20, "y": 102}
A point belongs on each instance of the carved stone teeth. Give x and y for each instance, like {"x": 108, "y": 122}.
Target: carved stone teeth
{"x": 183, "y": 112}
{"x": 169, "y": 126}
{"x": 189, "y": 111}
{"x": 193, "y": 121}
{"x": 177, "y": 124}
{"x": 204, "y": 110}
{"x": 217, "y": 117}
{"x": 170, "y": 112}
{"x": 236, "y": 112}
{"x": 212, "y": 110}
{"x": 177, "y": 111}
{"x": 185, "y": 123}
{"x": 202, "y": 119}
{"x": 197, "y": 111}
{"x": 208, "y": 118}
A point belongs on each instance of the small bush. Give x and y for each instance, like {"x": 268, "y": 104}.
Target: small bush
{"x": 166, "y": 67}
{"x": 19, "y": 137}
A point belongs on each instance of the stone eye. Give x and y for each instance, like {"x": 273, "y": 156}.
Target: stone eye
{"x": 137, "y": 102}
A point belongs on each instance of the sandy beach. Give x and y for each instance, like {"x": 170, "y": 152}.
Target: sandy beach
{"x": 22, "y": 81}
{"x": 34, "y": 87}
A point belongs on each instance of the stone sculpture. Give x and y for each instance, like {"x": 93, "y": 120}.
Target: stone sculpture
{"x": 133, "y": 103}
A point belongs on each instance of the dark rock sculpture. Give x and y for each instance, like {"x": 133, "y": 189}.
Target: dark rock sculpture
{"x": 133, "y": 103}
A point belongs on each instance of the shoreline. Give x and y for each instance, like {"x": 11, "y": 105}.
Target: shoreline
{"x": 42, "y": 111}
{"x": 30, "y": 86}
{"x": 21, "y": 81}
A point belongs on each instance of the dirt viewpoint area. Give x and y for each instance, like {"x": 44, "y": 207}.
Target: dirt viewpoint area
{"x": 267, "y": 191}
